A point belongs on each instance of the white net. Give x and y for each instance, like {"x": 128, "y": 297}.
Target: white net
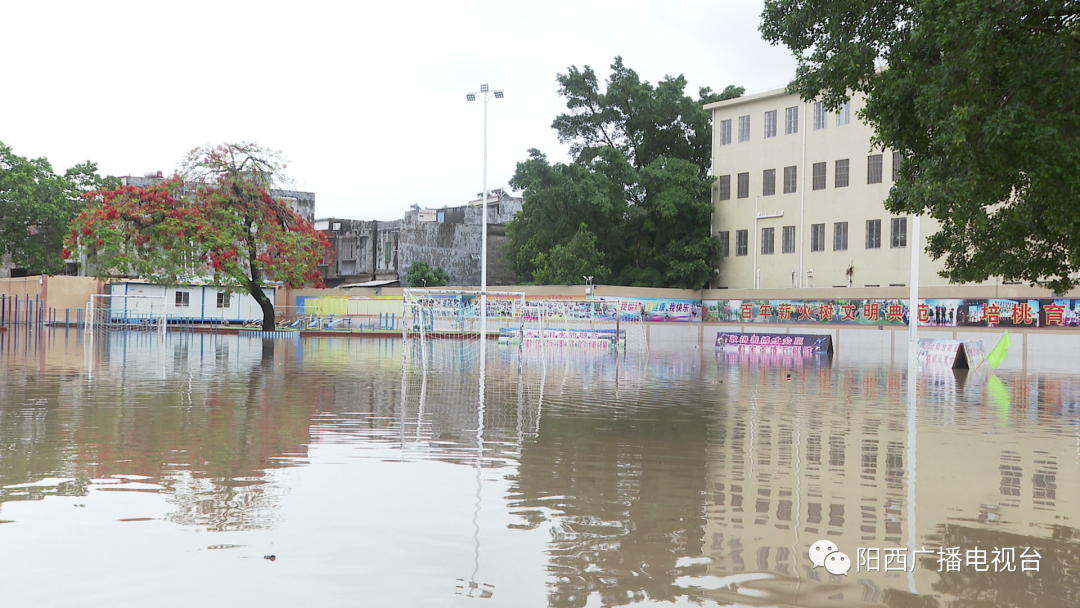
{"x": 108, "y": 313}
{"x": 448, "y": 366}
{"x": 442, "y": 329}
{"x": 596, "y": 325}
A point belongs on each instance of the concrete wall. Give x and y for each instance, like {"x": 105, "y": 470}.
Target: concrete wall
{"x": 455, "y": 247}
{"x": 615, "y": 291}
{"x": 363, "y": 250}
{"x": 55, "y": 293}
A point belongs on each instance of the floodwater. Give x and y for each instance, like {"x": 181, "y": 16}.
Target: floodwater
{"x": 205, "y": 469}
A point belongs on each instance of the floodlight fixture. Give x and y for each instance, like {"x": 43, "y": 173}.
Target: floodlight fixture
{"x": 471, "y": 97}
{"x": 498, "y": 94}
{"x": 483, "y": 88}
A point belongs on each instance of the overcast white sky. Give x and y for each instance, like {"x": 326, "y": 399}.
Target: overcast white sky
{"x": 366, "y": 99}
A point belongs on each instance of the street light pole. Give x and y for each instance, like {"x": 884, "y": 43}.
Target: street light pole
{"x": 486, "y": 95}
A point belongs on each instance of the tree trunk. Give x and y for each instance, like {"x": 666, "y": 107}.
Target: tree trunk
{"x": 256, "y": 289}
{"x": 265, "y": 303}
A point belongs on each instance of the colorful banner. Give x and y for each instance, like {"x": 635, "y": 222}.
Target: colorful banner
{"x": 968, "y": 354}
{"x": 656, "y": 310}
{"x": 795, "y": 343}
{"x": 993, "y": 312}
{"x": 832, "y": 312}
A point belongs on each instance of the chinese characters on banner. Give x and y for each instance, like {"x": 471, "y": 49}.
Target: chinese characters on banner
{"x": 1060, "y": 313}
{"x": 795, "y": 343}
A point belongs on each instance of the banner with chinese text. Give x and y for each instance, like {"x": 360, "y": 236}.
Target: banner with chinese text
{"x": 995, "y": 312}
{"x": 795, "y": 343}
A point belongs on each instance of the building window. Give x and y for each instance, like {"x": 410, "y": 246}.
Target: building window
{"x": 768, "y": 182}
{"x": 899, "y": 232}
{"x": 791, "y": 120}
{"x": 843, "y": 115}
{"x": 741, "y": 239}
{"x": 817, "y": 237}
{"x": 790, "y": 175}
{"x": 744, "y": 185}
{"x": 348, "y": 249}
{"x": 725, "y": 132}
{"x": 821, "y": 118}
{"x": 842, "y": 172}
{"x": 896, "y": 158}
{"x": 819, "y": 176}
{"x": 839, "y": 242}
{"x": 724, "y": 244}
{"x": 223, "y": 300}
{"x": 873, "y": 169}
{"x": 183, "y": 298}
{"x": 770, "y": 124}
{"x": 789, "y": 239}
{"x": 873, "y": 234}
{"x": 724, "y": 185}
{"x": 744, "y": 128}
{"x": 767, "y": 237}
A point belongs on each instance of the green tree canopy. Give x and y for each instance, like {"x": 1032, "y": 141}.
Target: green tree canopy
{"x": 218, "y": 222}
{"x": 980, "y": 98}
{"x": 36, "y": 206}
{"x": 570, "y": 263}
{"x": 634, "y": 206}
{"x": 422, "y": 274}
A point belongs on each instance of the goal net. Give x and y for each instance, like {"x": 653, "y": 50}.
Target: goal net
{"x": 112, "y": 312}
{"x": 442, "y": 329}
{"x": 591, "y": 325}
{"x": 453, "y": 367}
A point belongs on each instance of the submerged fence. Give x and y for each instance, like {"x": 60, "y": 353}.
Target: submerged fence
{"x": 31, "y": 310}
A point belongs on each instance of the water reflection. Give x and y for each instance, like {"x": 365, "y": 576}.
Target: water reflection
{"x": 587, "y": 478}
{"x": 202, "y": 417}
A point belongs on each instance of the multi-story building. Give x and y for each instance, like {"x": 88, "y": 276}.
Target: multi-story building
{"x": 799, "y": 198}
{"x": 360, "y": 252}
{"x": 380, "y": 253}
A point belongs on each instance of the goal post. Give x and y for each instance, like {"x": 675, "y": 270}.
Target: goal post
{"x": 119, "y": 312}
{"x": 443, "y": 328}
{"x": 599, "y": 325}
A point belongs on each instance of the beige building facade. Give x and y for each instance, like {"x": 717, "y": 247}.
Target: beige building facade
{"x": 799, "y": 199}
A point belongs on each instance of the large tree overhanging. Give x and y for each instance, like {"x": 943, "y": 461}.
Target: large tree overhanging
{"x": 216, "y": 222}
{"x": 981, "y": 99}
{"x": 634, "y": 206}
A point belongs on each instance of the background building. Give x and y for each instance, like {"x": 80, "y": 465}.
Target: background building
{"x": 799, "y": 198}
{"x": 380, "y": 253}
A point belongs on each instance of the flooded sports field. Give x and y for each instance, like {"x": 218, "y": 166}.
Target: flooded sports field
{"x": 203, "y": 469}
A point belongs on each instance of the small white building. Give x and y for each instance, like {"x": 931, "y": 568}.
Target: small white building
{"x": 191, "y": 302}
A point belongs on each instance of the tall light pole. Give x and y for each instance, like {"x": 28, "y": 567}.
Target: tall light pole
{"x": 485, "y": 95}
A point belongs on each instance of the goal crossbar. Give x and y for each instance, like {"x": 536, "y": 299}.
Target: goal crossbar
{"x": 136, "y": 312}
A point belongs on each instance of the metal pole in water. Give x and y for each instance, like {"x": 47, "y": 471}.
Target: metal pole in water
{"x": 913, "y": 301}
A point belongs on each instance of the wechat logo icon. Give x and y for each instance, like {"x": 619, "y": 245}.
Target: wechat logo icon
{"x": 825, "y": 553}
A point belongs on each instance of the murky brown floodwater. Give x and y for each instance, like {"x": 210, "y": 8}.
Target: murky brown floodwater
{"x": 142, "y": 473}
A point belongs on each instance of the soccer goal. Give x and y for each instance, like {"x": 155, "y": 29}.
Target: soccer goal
{"x": 594, "y": 325}
{"x": 442, "y": 329}
{"x": 454, "y": 369}
{"x": 117, "y": 312}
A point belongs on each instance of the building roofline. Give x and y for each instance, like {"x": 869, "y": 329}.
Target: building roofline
{"x": 747, "y": 99}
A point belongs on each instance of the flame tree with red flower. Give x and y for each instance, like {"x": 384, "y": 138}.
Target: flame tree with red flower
{"x": 215, "y": 221}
